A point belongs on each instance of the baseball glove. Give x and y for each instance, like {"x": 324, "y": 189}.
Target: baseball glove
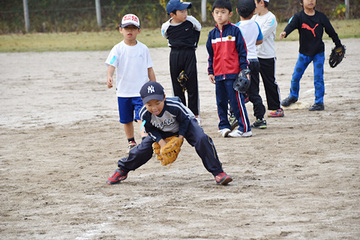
{"x": 170, "y": 151}
{"x": 337, "y": 55}
{"x": 182, "y": 79}
{"x": 242, "y": 82}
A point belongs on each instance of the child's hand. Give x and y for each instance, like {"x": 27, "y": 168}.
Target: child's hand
{"x": 282, "y": 35}
{"x": 212, "y": 78}
{"x": 162, "y": 143}
{"x": 109, "y": 82}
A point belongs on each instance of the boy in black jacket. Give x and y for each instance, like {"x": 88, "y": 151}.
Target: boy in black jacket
{"x": 310, "y": 24}
{"x": 183, "y": 33}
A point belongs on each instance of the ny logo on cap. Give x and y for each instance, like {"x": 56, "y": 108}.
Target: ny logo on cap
{"x": 151, "y": 89}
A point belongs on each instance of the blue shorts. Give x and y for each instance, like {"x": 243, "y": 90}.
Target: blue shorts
{"x": 127, "y": 107}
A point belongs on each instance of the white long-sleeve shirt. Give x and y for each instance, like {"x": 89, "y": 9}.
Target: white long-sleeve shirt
{"x": 268, "y": 26}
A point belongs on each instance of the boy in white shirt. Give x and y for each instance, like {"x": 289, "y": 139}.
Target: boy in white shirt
{"x": 133, "y": 65}
{"x": 267, "y": 56}
{"x": 253, "y": 36}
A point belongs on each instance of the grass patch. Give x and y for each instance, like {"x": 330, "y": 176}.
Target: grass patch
{"x": 105, "y": 40}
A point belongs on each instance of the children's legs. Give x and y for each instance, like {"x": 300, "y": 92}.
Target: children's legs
{"x": 175, "y": 69}
{"x": 300, "y": 67}
{"x": 138, "y": 104}
{"x": 222, "y": 104}
{"x": 254, "y": 89}
{"x": 138, "y": 156}
{"x": 126, "y": 113}
{"x": 204, "y": 147}
{"x": 319, "y": 85}
{"x": 237, "y": 102}
{"x": 129, "y": 130}
{"x": 192, "y": 84}
{"x": 272, "y": 89}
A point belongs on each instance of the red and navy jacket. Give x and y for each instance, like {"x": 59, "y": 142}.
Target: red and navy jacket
{"x": 227, "y": 52}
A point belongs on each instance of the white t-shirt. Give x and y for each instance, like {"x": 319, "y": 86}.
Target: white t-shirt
{"x": 131, "y": 63}
{"x": 268, "y": 26}
{"x": 251, "y": 33}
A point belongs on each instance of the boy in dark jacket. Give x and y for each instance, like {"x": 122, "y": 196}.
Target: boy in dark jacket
{"x": 310, "y": 24}
{"x": 183, "y": 33}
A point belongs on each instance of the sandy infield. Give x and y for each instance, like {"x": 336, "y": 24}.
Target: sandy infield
{"x": 60, "y": 140}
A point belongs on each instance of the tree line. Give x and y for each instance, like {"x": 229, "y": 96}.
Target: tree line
{"x": 79, "y": 15}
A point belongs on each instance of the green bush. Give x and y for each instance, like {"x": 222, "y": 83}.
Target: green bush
{"x": 80, "y": 15}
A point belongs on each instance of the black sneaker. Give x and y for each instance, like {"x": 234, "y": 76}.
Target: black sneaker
{"x": 259, "y": 123}
{"x": 288, "y": 101}
{"x": 233, "y": 122}
{"x": 317, "y": 107}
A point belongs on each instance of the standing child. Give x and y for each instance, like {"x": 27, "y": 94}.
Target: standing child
{"x": 267, "y": 56}
{"x": 133, "y": 65}
{"x": 183, "y": 33}
{"x": 227, "y": 57}
{"x": 310, "y": 24}
{"x": 164, "y": 118}
{"x": 253, "y": 36}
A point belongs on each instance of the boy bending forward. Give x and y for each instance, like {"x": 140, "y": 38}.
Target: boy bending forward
{"x": 163, "y": 118}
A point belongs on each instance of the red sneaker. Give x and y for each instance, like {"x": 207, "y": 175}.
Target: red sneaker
{"x": 132, "y": 144}
{"x": 118, "y": 176}
{"x": 277, "y": 113}
{"x": 223, "y": 179}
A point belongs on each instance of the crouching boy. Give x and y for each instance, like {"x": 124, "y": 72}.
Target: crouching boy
{"x": 165, "y": 117}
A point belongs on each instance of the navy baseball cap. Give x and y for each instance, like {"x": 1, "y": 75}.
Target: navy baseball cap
{"x": 152, "y": 90}
{"x": 177, "y": 5}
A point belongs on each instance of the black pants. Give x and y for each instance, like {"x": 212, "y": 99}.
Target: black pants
{"x": 254, "y": 89}
{"x": 195, "y": 136}
{"x": 272, "y": 90}
{"x": 185, "y": 59}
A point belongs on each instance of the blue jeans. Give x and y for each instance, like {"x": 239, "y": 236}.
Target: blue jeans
{"x": 300, "y": 67}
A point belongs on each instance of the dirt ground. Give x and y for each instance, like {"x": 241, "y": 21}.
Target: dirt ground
{"x": 60, "y": 140}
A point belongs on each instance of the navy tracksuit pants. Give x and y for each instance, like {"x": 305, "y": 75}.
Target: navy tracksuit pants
{"x": 225, "y": 92}
{"x": 195, "y": 136}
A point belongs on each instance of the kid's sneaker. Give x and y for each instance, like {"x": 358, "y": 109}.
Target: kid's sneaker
{"x": 233, "y": 123}
{"x": 224, "y": 132}
{"x": 238, "y": 133}
{"x": 317, "y": 107}
{"x": 132, "y": 144}
{"x": 223, "y": 179}
{"x": 117, "y": 177}
{"x": 259, "y": 123}
{"x": 288, "y": 101}
{"x": 277, "y": 113}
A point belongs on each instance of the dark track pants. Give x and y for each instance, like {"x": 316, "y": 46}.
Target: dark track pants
{"x": 185, "y": 59}
{"x": 195, "y": 136}
{"x": 254, "y": 89}
{"x": 272, "y": 90}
